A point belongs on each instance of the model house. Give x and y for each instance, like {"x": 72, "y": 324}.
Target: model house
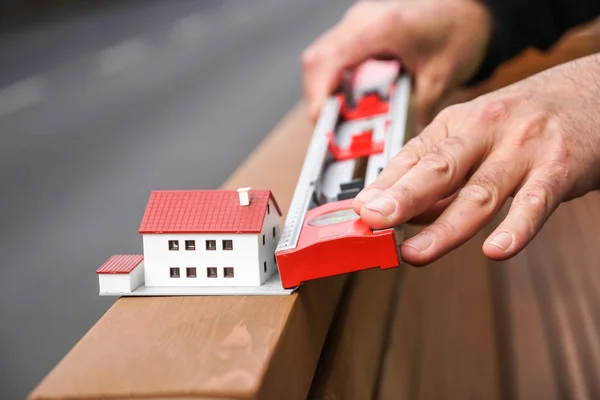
{"x": 200, "y": 238}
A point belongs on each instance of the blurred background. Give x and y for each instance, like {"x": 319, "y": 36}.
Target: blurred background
{"x": 102, "y": 102}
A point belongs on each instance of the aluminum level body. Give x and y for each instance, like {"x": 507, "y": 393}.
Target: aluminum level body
{"x": 352, "y": 142}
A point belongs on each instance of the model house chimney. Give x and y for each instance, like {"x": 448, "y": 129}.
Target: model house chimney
{"x": 244, "y": 196}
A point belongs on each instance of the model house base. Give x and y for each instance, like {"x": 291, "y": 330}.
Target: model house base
{"x": 123, "y": 275}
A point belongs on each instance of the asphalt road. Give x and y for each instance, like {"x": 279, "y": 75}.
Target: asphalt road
{"x": 100, "y": 108}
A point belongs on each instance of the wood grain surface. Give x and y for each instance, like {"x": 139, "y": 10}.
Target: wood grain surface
{"x": 210, "y": 347}
{"x": 552, "y": 299}
{"x": 351, "y": 362}
{"x": 443, "y": 341}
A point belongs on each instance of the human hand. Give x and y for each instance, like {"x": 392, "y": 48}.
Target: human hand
{"x": 537, "y": 140}
{"x": 441, "y": 43}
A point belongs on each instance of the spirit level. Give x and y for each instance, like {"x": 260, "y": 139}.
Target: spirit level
{"x": 359, "y": 130}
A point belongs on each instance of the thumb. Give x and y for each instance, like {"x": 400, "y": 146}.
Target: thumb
{"x": 430, "y": 85}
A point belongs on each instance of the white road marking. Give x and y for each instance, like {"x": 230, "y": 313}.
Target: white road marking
{"x": 20, "y": 95}
{"x": 189, "y": 29}
{"x": 121, "y": 56}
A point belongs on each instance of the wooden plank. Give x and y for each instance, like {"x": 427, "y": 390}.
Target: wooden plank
{"x": 527, "y": 328}
{"x": 443, "y": 343}
{"x": 523, "y": 345}
{"x": 210, "y": 347}
{"x": 350, "y": 364}
{"x": 553, "y": 300}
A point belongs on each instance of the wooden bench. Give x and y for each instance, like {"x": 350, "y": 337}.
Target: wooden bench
{"x": 462, "y": 328}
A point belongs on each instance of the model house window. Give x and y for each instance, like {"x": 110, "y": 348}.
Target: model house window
{"x": 173, "y": 244}
{"x": 273, "y": 231}
{"x": 263, "y": 240}
{"x": 211, "y": 245}
{"x": 191, "y": 272}
{"x": 174, "y": 272}
{"x": 228, "y": 272}
{"x": 265, "y": 266}
{"x": 227, "y": 244}
{"x": 211, "y": 272}
{"x": 268, "y": 208}
{"x": 190, "y": 245}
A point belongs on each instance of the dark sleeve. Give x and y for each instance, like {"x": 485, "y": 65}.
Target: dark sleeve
{"x": 519, "y": 24}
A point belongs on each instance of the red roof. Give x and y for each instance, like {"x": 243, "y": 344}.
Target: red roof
{"x": 120, "y": 264}
{"x": 203, "y": 211}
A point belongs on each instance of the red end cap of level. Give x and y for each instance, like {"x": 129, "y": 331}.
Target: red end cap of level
{"x": 334, "y": 241}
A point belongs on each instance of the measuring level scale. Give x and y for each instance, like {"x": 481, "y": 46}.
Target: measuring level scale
{"x": 359, "y": 130}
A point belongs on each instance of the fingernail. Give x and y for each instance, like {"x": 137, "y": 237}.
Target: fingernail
{"x": 367, "y": 195}
{"x": 421, "y": 242}
{"x": 383, "y": 205}
{"x": 502, "y": 240}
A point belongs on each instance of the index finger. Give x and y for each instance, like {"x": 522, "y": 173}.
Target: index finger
{"x": 437, "y": 175}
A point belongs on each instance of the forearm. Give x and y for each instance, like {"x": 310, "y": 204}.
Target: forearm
{"x": 519, "y": 24}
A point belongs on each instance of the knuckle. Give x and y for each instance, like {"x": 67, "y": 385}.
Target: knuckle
{"x": 438, "y": 162}
{"x": 450, "y": 145}
{"x": 330, "y": 51}
{"x": 309, "y": 58}
{"x": 326, "y": 50}
{"x": 558, "y": 172}
{"x": 477, "y": 194}
{"x": 444, "y": 158}
{"x": 562, "y": 140}
{"x": 417, "y": 143}
{"x": 533, "y": 205}
{"x": 492, "y": 112}
{"x": 404, "y": 192}
{"x": 536, "y": 198}
{"x": 444, "y": 228}
{"x": 560, "y": 153}
{"x": 449, "y": 113}
{"x": 434, "y": 133}
{"x": 531, "y": 128}
{"x": 405, "y": 158}
{"x": 484, "y": 186}
{"x": 540, "y": 194}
